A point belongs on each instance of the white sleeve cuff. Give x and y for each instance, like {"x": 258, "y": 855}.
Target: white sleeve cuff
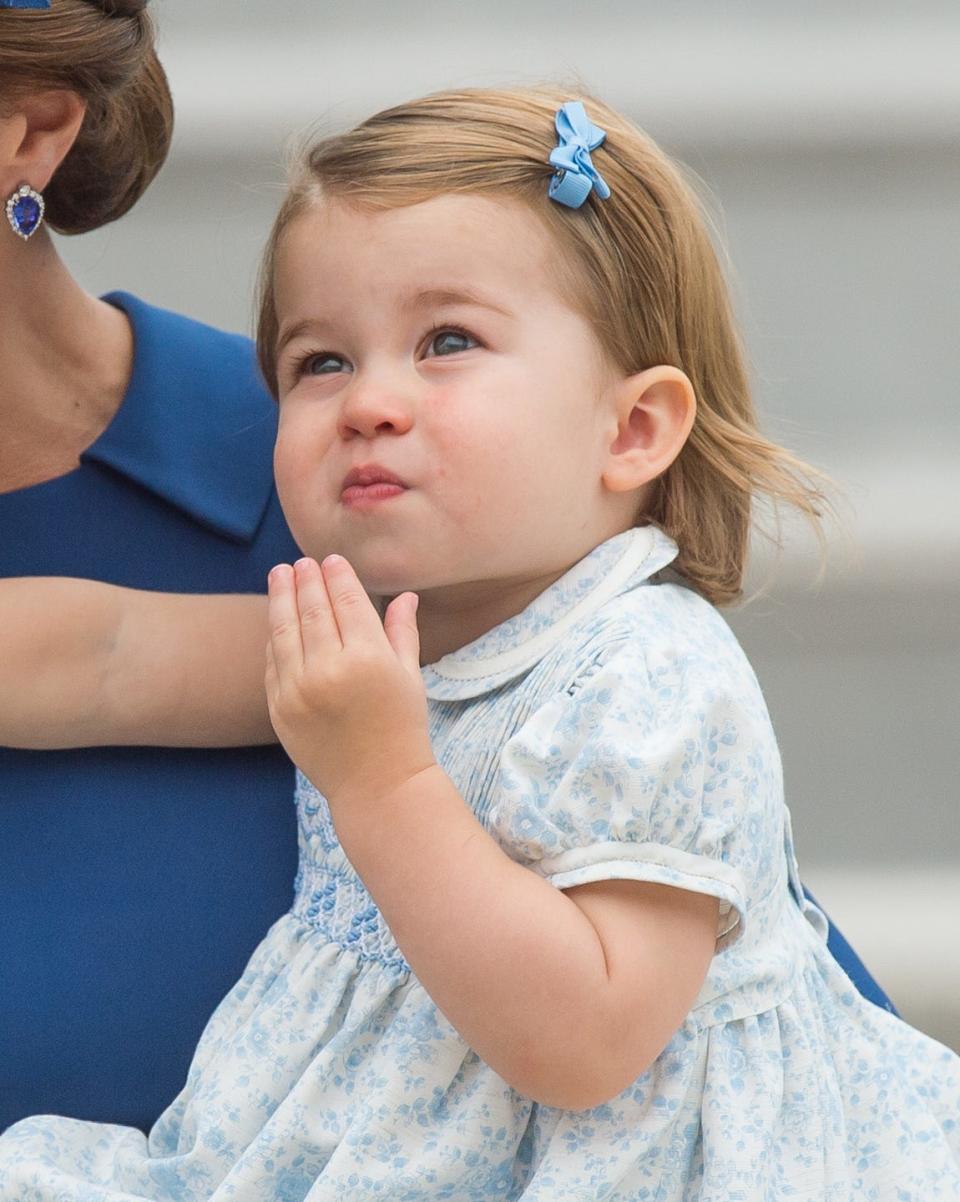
{"x": 659, "y": 864}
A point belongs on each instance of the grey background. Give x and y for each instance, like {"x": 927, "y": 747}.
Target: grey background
{"x": 826, "y": 137}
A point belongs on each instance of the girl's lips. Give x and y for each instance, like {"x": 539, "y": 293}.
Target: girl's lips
{"x": 370, "y": 494}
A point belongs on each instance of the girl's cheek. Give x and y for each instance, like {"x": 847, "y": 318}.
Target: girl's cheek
{"x": 294, "y": 464}
{"x": 282, "y": 466}
{"x": 296, "y": 444}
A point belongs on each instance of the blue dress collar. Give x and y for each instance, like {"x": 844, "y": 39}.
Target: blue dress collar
{"x": 616, "y": 566}
{"x": 196, "y": 426}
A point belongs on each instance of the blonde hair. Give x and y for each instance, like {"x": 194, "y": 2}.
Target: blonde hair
{"x": 640, "y": 266}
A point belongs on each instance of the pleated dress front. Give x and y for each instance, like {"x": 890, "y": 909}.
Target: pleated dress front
{"x": 613, "y": 729}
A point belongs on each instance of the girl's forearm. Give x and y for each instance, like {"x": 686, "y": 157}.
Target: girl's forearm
{"x": 512, "y": 962}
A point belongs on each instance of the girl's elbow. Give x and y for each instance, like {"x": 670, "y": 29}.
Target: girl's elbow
{"x": 582, "y": 1083}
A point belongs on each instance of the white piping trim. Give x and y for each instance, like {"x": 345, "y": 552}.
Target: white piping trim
{"x": 636, "y": 554}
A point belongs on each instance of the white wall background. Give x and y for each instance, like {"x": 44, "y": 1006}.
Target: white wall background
{"x": 829, "y": 137}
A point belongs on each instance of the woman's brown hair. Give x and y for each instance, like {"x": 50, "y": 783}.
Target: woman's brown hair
{"x": 103, "y": 51}
{"x": 640, "y": 266}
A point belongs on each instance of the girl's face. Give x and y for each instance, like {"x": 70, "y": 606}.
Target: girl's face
{"x": 432, "y": 341}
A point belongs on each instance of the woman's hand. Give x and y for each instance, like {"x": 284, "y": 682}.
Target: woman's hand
{"x": 344, "y": 690}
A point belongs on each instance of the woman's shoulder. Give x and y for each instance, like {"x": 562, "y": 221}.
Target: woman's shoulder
{"x": 196, "y": 427}
{"x": 180, "y": 349}
{"x": 146, "y": 314}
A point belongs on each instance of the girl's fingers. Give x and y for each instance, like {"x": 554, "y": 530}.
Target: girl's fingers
{"x": 319, "y": 632}
{"x": 270, "y": 679}
{"x": 357, "y": 619}
{"x": 400, "y": 627}
{"x": 284, "y": 619}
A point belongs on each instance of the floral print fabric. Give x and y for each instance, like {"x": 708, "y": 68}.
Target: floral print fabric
{"x": 613, "y": 729}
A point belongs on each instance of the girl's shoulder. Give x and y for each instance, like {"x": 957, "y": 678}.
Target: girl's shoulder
{"x": 663, "y": 630}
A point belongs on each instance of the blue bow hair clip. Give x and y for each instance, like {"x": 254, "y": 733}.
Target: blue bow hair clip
{"x": 24, "y": 3}
{"x": 576, "y": 176}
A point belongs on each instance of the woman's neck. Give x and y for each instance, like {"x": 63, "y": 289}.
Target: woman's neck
{"x": 65, "y": 361}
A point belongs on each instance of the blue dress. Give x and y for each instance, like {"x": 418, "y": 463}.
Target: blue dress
{"x": 613, "y": 729}
{"x": 136, "y": 881}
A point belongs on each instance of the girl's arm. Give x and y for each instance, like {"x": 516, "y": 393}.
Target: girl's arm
{"x": 84, "y": 663}
{"x": 569, "y": 996}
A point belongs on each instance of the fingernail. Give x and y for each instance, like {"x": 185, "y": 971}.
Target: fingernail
{"x": 333, "y": 561}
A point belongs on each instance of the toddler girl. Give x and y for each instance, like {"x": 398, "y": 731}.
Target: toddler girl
{"x": 548, "y": 939}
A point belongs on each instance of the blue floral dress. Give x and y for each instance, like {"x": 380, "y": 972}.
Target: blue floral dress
{"x": 613, "y": 729}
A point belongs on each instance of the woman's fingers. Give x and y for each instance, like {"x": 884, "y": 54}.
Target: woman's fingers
{"x": 284, "y": 619}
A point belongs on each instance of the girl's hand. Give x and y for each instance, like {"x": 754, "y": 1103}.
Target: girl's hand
{"x": 344, "y": 691}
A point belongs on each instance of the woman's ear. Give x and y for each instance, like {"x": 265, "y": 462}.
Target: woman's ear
{"x": 654, "y": 411}
{"x": 37, "y": 136}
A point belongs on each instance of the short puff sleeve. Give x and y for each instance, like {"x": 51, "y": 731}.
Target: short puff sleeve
{"x": 651, "y": 766}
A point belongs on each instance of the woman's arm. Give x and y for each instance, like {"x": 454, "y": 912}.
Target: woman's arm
{"x": 84, "y": 663}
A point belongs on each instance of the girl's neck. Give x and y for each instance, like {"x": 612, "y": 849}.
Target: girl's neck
{"x": 65, "y": 362}
{"x": 450, "y": 618}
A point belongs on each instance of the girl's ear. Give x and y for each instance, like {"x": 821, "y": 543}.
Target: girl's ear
{"x": 38, "y": 135}
{"x": 654, "y": 411}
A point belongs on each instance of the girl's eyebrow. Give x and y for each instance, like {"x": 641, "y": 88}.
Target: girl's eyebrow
{"x": 308, "y": 326}
{"x": 424, "y": 299}
{"x": 428, "y": 297}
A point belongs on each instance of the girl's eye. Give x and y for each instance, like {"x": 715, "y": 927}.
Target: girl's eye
{"x": 322, "y": 364}
{"x": 449, "y": 342}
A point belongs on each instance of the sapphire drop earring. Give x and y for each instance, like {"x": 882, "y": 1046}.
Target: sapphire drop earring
{"x": 25, "y": 211}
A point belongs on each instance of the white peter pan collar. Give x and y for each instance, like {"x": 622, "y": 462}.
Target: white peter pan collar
{"x": 516, "y": 645}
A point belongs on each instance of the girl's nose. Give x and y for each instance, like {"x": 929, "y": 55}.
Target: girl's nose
{"x": 374, "y": 406}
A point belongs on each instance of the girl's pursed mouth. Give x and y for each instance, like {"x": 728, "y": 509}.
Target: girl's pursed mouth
{"x": 367, "y": 474}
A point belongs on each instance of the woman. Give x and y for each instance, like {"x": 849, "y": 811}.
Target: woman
{"x": 135, "y": 447}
